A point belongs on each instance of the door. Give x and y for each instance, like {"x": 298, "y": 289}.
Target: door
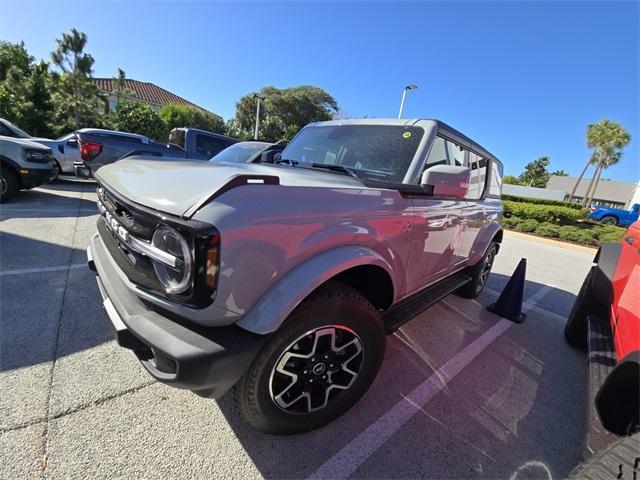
{"x": 474, "y": 213}
{"x": 437, "y": 230}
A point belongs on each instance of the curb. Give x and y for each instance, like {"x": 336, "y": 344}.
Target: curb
{"x": 550, "y": 241}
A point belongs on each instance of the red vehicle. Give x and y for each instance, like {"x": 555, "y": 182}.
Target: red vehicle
{"x": 605, "y": 320}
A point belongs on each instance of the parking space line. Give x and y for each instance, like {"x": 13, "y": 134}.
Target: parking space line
{"x": 355, "y": 453}
{"x": 61, "y": 268}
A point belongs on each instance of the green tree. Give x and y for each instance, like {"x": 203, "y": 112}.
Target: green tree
{"x": 14, "y": 55}
{"x": 176, "y": 115}
{"x": 25, "y": 87}
{"x": 121, "y": 91}
{"x": 511, "y": 180}
{"x": 535, "y": 173}
{"x": 77, "y": 99}
{"x": 139, "y": 118}
{"x": 560, "y": 173}
{"x": 283, "y": 112}
{"x": 607, "y": 139}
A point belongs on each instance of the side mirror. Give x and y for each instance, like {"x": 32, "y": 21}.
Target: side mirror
{"x": 447, "y": 180}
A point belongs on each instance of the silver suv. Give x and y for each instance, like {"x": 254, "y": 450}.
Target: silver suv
{"x": 281, "y": 279}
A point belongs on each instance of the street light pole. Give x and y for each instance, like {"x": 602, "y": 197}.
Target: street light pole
{"x": 404, "y": 96}
{"x": 255, "y": 131}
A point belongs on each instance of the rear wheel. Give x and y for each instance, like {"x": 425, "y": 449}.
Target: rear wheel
{"x": 479, "y": 274}
{"x": 316, "y": 367}
{"x": 609, "y": 220}
{"x": 9, "y": 184}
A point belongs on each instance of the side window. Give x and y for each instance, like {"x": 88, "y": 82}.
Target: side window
{"x": 455, "y": 154}
{"x": 495, "y": 187}
{"x": 4, "y": 131}
{"x": 209, "y": 146}
{"x": 477, "y": 177}
{"x": 438, "y": 154}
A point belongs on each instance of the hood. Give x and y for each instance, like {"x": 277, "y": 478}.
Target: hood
{"x": 25, "y": 142}
{"x": 175, "y": 186}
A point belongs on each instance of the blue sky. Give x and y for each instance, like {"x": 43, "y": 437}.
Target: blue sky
{"x": 522, "y": 78}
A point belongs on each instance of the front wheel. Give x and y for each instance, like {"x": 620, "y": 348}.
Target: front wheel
{"x": 316, "y": 367}
{"x": 609, "y": 220}
{"x": 9, "y": 184}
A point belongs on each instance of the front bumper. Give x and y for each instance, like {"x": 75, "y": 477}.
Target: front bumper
{"x": 208, "y": 361}
{"x": 34, "y": 177}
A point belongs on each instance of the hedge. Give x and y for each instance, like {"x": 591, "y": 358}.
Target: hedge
{"x": 558, "y": 215}
{"x": 541, "y": 201}
{"x": 584, "y": 234}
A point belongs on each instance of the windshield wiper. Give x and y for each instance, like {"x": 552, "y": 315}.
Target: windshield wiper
{"x": 335, "y": 168}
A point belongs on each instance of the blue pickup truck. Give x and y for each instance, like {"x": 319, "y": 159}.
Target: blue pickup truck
{"x": 615, "y": 216}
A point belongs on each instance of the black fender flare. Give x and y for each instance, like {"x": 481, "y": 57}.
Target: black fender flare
{"x": 606, "y": 261}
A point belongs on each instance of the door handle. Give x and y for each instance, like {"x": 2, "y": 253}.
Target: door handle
{"x": 630, "y": 240}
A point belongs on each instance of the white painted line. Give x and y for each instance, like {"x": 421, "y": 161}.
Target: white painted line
{"x": 47, "y": 210}
{"x": 530, "y": 302}
{"x": 356, "y": 452}
{"x": 61, "y": 268}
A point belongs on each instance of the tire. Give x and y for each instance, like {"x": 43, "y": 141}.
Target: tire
{"x": 275, "y": 402}
{"x": 479, "y": 274}
{"x": 576, "y": 330}
{"x": 609, "y": 220}
{"x": 9, "y": 184}
{"x": 620, "y": 460}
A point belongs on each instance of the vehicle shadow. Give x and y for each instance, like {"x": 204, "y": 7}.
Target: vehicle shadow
{"x": 51, "y": 201}
{"x": 47, "y": 310}
{"x": 517, "y": 408}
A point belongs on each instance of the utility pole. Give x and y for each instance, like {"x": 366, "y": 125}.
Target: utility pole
{"x": 255, "y": 131}
{"x": 404, "y": 96}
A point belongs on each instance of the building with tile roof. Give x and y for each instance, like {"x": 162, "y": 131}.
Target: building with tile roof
{"x": 153, "y": 95}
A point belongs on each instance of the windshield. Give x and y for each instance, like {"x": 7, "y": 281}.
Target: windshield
{"x": 380, "y": 152}
{"x": 240, "y": 152}
{"x": 18, "y": 132}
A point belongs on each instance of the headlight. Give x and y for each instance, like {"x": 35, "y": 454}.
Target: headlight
{"x": 174, "y": 279}
{"x": 39, "y": 156}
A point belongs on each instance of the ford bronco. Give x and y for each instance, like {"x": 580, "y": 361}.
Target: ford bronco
{"x": 280, "y": 279}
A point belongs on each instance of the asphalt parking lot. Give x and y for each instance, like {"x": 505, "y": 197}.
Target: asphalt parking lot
{"x": 462, "y": 393}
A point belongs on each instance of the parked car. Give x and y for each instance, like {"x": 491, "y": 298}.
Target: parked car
{"x": 605, "y": 321}
{"x": 65, "y": 149}
{"x": 615, "y": 216}
{"x": 281, "y": 279}
{"x": 24, "y": 165}
{"x": 250, "y": 152}
{"x": 102, "y": 147}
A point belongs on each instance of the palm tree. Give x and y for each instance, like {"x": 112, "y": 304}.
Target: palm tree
{"x": 560, "y": 173}
{"x": 607, "y": 139}
{"x": 601, "y": 166}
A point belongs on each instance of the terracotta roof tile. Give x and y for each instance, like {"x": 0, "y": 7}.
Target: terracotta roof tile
{"x": 145, "y": 91}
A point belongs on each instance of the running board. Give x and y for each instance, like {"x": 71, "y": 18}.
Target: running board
{"x": 602, "y": 359}
{"x": 411, "y": 306}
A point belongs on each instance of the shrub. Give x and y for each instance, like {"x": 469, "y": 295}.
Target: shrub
{"x": 139, "y": 118}
{"x": 541, "y": 201}
{"x": 543, "y": 213}
{"x": 578, "y": 235}
{"x": 527, "y": 226}
{"x": 548, "y": 230}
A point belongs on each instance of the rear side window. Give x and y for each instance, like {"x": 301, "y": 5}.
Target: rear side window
{"x": 477, "y": 177}
{"x": 209, "y": 146}
{"x": 495, "y": 185}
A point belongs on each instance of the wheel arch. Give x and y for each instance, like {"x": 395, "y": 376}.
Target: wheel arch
{"x": 360, "y": 267}
{"x": 6, "y": 162}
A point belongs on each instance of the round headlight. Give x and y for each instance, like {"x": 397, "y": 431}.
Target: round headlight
{"x": 174, "y": 279}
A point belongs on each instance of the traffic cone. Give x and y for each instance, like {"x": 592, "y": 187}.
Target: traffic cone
{"x": 509, "y": 304}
